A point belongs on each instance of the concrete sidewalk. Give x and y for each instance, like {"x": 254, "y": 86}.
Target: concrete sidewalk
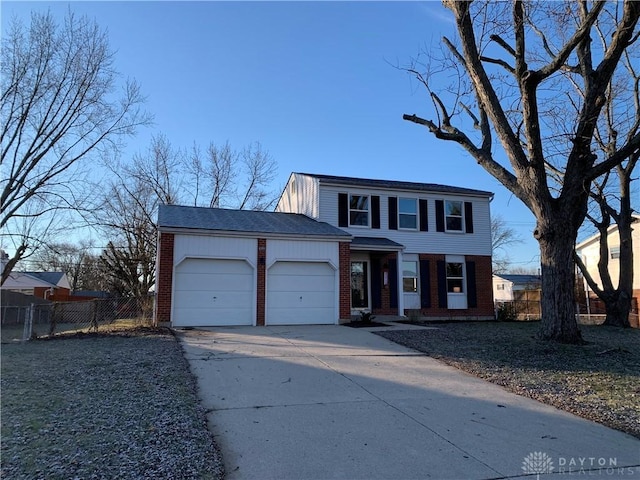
{"x": 332, "y": 402}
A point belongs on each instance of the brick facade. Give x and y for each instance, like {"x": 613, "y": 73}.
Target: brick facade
{"x": 484, "y": 289}
{"x": 345, "y": 280}
{"x": 164, "y": 277}
{"x": 261, "y": 283}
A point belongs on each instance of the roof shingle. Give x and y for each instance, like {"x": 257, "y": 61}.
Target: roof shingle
{"x": 246, "y": 221}
{"x": 397, "y": 185}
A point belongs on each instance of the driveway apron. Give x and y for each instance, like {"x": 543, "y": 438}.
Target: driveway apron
{"x": 333, "y": 402}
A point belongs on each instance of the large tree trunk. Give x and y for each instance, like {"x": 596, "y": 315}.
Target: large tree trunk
{"x": 617, "y": 308}
{"x": 558, "y": 283}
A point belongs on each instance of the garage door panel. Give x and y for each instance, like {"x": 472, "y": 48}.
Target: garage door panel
{"x": 207, "y": 300}
{"x": 303, "y": 317}
{"x": 203, "y": 318}
{"x": 309, "y": 283}
{"x": 222, "y": 266}
{"x": 213, "y": 292}
{"x": 301, "y": 293}
{"x": 292, "y": 299}
{"x": 193, "y": 282}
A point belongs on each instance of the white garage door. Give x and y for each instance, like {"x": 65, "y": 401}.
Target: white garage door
{"x": 301, "y": 293}
{"x": 213, "y": 292}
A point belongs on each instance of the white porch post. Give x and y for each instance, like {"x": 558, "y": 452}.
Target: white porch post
{"x": 400, "y": 286}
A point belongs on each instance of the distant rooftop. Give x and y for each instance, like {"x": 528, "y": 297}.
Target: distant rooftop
{"x": 520, "y": 278}
{"x": 246, "y": 221}
{"x": 50, "y": 277}
{"x": 398, "y": 185}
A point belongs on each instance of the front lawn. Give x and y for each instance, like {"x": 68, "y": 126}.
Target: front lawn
{"x": 120, "y": 406}
{"x": 599, "y": 381}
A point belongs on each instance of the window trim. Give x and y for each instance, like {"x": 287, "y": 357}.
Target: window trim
{"x": 447, "y": 216}
{"x": 461, "y": 278}
{"x": 368, "y": 211}
{"x": 414, "y": 214}
{"x": 415, "y": 278}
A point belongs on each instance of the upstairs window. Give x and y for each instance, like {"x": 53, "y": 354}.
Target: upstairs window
{"x": 359, "y": 210}
{"x": 407, "y": 213}
{"x": 453, "y": 215}
{"x": 614, "y": 252}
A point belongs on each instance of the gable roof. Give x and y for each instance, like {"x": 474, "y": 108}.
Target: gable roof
{"x": 26, "y": 280}
{"x": 244, "y": 221}
{"x": 397, "y": 185}
{"x": 50, "y": 277}
{"x": 520, "y": 278}
{"x": 610, "y": 230}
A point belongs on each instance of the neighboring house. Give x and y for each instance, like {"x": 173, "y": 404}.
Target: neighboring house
{"x": 513, "y": 287}
{"x": 335, "y": 246}
{"x": 589, "y": 251}
{"x": 47, "y": 285}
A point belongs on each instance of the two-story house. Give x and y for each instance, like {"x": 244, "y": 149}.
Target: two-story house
{"x": 335, "y": 246}
{"x": 589, "y": 251}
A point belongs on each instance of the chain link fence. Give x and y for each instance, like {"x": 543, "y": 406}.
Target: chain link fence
{"x": 25, "y": 322}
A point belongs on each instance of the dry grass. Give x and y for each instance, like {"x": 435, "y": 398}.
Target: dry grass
{"x": 117, "y": 405}
{"x": 599, "y": 381}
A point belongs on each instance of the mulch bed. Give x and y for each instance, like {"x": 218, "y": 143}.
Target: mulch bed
{"x": 359, "y": 324}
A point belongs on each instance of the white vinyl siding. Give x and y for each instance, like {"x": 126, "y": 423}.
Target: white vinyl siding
{"x": 300, "y": 195}
{"x": 477, "y": 243}
{"x": 208, "y": 246}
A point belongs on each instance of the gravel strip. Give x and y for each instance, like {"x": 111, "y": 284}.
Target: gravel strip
{"x": 120, "y": 406}
{"x": 599, "y": 381}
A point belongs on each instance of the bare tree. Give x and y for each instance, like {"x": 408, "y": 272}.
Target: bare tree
{"x": 518, "y": 67}
{"x": 128, "y": 212}
{"x": 617, "y": 295}
{"x": 502, "y": 236}
{"x": 611, "y": 194}
{"x": 58, "y": 106}
{"x": 76, "y": 260}
{"x": 226, "y": 178}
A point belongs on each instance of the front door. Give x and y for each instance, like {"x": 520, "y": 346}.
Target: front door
{"x": 359, "y": 285}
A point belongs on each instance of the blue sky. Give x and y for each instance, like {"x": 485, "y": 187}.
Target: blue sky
{"x": 313, "y": 82}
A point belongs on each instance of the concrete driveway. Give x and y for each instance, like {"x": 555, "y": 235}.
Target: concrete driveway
{"x": 333, "y": 402}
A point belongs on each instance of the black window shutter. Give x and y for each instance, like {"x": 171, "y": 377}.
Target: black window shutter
{"x": 376, "y": 283}
{"x": 424, "y": 219}
{"x": 440, "y": 215}
{"x": 375, "y": 211}
{"x": 393, "y": 213}
{"x": 425, "y": 284}
{"x": 442, "y": 284}
{"x": 468, "y": 217}
{"x": 472, "y": 296}
{"x": 343, "y": 210}
{"x": 393, "y": 283}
